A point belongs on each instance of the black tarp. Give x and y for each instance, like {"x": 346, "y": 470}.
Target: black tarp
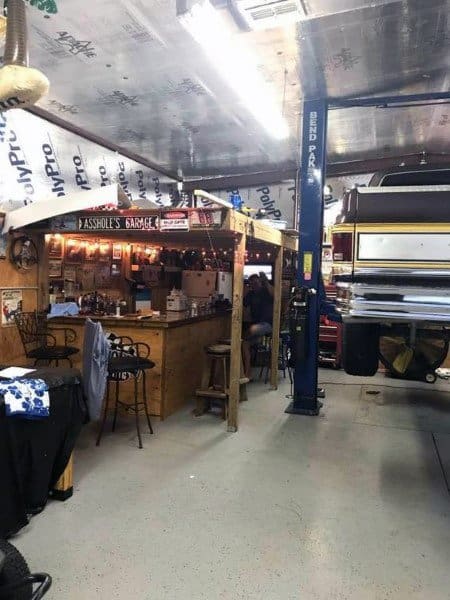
{"x": 34, "y": 453}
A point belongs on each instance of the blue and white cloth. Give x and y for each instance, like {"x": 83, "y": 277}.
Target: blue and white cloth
{"x": 28, "y": 398}
{"x": 63, "y": 309}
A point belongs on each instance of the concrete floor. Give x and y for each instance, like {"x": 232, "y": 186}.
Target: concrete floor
{"x": 350, "y": 505}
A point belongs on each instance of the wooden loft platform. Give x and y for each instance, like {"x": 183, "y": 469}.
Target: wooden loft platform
{"x": 131, "y": 224}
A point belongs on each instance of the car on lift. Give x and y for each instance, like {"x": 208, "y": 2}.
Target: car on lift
{"x": 391, "y": 266}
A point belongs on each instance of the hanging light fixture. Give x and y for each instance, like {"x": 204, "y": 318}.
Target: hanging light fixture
{"x": 235, "y": 63}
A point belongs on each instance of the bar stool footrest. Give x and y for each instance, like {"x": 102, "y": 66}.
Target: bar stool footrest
{"x": 211, "y": 394}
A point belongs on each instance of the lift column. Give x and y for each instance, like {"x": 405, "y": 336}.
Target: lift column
{"x": 312, "y": 179}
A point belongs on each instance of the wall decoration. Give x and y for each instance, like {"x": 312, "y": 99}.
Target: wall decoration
{"x": 55, "y": 246}
{"x": 117, "y": 252}
{"x": 91, "y": 252}
{"x": 104, "y": 252}
{"x": 74, "y": 252}
{"x": 121, "y": 223}
{"x": 23, "y": 253}
{"x": 11, "y": 305}
{"x": 64, "y": 223}
{"x": 70, "y": 273}
{"x": 203, "y": 219}
{"x": 102, "y": 276}
{"x": 175, "y": 220}
{"x": 115, "y": 270}
{"x": 55, "y": 268}
{"x": 85, "y": 276}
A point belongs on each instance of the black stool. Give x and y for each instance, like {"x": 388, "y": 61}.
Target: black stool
{"x": 128, "y": 361}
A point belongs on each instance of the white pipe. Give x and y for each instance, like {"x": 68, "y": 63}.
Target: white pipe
{"x": 212, "y": 198}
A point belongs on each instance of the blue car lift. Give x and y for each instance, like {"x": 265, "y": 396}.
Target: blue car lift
{"x": 306, "y": 394}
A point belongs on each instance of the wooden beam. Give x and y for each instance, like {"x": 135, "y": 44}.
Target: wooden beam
{"x": 253, "y": 228}
{"x": 265, "y": 233}
{"x": 290, "y": 242}
{"x": 277, "y": 292}
{"x": 245, "y": 180}
{"x": 236, "y": 333}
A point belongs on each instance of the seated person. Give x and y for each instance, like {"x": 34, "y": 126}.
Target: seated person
{"x": 259, "y": 304}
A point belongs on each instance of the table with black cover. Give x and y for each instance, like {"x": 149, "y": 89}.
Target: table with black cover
{"x": 35, "y": 453}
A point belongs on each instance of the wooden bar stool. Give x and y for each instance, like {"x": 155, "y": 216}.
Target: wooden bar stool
{"x": 216, "y": 380}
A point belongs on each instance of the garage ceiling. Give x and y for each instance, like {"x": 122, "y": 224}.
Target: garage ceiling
{"x": 129, "y": 72}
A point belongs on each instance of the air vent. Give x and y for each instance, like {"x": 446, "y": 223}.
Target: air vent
{"x": 265, "y": 14}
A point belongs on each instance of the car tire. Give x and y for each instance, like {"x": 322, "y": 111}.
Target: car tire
{"x": 360, "y": 348}
{"x": 14, "y": 569}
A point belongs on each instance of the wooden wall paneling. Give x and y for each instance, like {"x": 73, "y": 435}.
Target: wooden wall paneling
{"x": 11, "y": 349}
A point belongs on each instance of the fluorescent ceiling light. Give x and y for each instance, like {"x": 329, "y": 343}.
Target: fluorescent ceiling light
{"x": 235, "y": 63}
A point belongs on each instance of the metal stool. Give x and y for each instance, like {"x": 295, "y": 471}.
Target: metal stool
{"x": 128, "y": 362}
{"x": 264, "y": 356}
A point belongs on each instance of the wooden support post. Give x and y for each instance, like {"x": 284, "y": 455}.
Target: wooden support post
{"x": 43, "y": 280}
{"x": 236, "y": 333}
{"x": 64, "y": 486}
{"x": 277, "y": 293}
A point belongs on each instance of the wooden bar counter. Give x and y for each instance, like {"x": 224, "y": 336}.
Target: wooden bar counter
{"x": 176, "y": 342}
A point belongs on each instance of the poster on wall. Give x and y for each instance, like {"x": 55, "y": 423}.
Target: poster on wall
{"x": 70, "y": 273}
{"x": 55, "y": 247}
{"x": 55, "y": 268}
{"x": 117, "y": 252}
{"x": 11, "y": 306}
{"x": 74, "y": 252}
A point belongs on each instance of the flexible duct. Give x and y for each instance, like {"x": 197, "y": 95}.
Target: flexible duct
{"x": 16, "y": 46}
{"x": 20, "y": 85}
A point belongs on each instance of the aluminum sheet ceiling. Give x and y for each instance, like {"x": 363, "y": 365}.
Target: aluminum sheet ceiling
{"x": 129, "y": 72}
